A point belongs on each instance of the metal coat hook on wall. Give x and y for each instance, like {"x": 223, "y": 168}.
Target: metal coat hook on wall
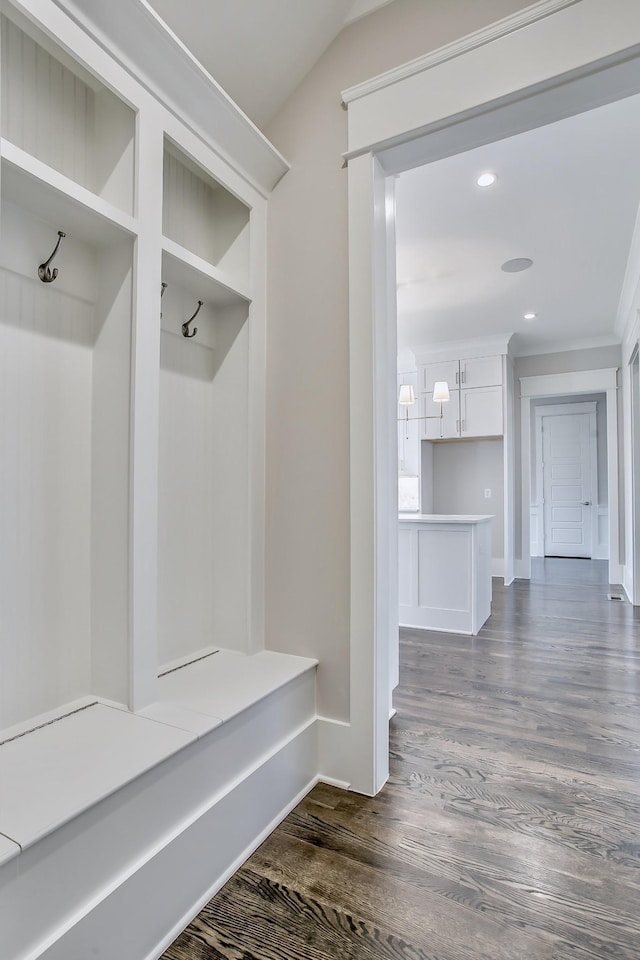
{"x": 44, "y": 271}
{"x": 163, "y": 287}
{"x": 185, "y": 325}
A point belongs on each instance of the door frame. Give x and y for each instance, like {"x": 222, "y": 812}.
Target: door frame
{"x": 557, "y": 410}
{"x": 563, "y": 385}
{"x": 634, "y": 402}
{"x": 553, "y": 59}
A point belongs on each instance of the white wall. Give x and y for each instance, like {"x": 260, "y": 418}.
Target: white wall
{"x": 461, "y": 474}
{"x": 307, "y": 551}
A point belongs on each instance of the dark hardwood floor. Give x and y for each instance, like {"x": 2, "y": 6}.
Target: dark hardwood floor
{"x": 510, "y": 826}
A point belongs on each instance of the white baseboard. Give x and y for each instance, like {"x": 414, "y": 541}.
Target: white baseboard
{"x": 334, "y": 751}
{"x": 497, "y": 566}
{"x": 522, "y": 570}
{"x": 627, "y": 582}
{"x": 616, "y": 573}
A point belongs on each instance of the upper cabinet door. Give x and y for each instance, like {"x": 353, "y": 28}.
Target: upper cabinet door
{"x": 481, "y": 372}
{"x": 431, "y": 373}
{"x": 481, "y": 412}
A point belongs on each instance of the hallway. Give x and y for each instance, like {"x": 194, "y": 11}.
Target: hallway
{"x": 509, "y": 828}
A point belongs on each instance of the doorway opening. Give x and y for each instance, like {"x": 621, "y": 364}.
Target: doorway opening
{"x": 442, "y": 107}
{"x": 569, "y": 487}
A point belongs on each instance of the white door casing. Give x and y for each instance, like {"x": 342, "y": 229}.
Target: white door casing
{"x": 529, "y": 69}
{"x": 568, "y": 483}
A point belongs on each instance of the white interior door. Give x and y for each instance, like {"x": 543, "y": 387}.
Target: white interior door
{"x": 568, "y": 484}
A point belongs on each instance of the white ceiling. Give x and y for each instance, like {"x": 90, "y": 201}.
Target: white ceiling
{"x": 567, "y": 196}
{"x": 260, "y": 50}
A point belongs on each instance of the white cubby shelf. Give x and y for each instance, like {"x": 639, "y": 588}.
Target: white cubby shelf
{"x": 55, "y": 110}
{"x": 203, "y": 217}
{"x": 46, "y": 193}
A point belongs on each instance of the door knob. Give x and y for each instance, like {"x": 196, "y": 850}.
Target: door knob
{"x": 586, "y": 503}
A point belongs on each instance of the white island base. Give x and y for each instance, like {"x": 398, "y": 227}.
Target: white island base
{"x": 445, "y": 572}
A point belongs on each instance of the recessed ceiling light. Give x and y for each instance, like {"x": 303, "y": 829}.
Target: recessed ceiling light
{"x": 486, "y": 179}
{"x": 530, "y": 316}
{"x": 516, "y": 265}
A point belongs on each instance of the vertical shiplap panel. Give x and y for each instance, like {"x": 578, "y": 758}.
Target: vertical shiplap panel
{"x": 45, "y": 105}
{"x": 29, "y": 117}
{"x": 188, "y": 209}
{"x": 205, "y": 218}
{"x": 83, "y": 132}
{"x": 45, "y": 441}
{"x": 56, "y": 118}
{"x": 68, "y": 131}
{"x": 185, "y": 531}
{"x": 12, "y": 81}
{"x": 39, "y": 106}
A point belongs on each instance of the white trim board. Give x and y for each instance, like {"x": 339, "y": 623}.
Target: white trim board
{"x": 580, "y": 57}
{"x": 559, "y": 384}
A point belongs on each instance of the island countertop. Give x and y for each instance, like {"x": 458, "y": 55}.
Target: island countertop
{"x": 444, "y": 517}
{"x": 444, "y": 571}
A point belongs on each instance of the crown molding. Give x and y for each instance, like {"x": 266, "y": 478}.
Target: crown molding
{"x": 501, "y": 28}
{"x": 464, "y": 349}
{"x": 140, "y": 41}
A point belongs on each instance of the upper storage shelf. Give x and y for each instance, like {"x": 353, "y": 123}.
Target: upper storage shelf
{"x": 202, "y": 216}
{"x": 57, "y": 112}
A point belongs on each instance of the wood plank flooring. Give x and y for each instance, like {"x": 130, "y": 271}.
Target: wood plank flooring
{"x": 510, "y": 826}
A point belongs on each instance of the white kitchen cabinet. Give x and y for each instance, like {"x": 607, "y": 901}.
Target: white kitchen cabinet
{"x": 481, "y": 412}
{"x": 444, "y": 572}
{"x": 480, "y": 372}
{"x": 445, "y": 429}
{"x": 432, "y": 373}
{"x": 476, "y": 404}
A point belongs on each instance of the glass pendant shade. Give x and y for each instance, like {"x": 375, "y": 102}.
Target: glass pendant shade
{"x": 441, "y": 391}
{"x": 406, "y": 396}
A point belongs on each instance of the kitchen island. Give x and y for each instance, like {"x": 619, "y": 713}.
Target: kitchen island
{"x": 444, "y": 572}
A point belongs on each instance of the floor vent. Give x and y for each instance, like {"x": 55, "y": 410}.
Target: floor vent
{"x": 615, "y": 595}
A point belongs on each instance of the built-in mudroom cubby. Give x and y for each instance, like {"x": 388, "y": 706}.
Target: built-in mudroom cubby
{"x": 57, "y": 114}
{"x": 65, "y": 356}
{"x": 149, "y": 739}
{"x": 204, "y": 536}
